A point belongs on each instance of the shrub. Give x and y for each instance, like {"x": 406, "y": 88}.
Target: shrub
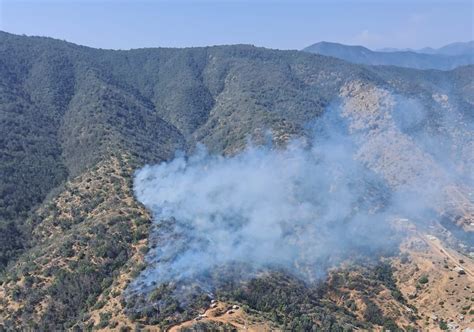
{"x": 423, "y": 279}
{"x": 443, "y": 325}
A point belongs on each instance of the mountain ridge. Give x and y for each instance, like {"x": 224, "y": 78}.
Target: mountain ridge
{"x": 441, "y": 59}
{"x": 456, "y": 48}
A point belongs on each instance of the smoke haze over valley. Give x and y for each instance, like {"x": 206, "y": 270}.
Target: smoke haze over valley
{"x": 307, "y": 206}
{"x": 297, "y": 208}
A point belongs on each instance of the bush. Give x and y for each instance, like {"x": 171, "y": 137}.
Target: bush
{"x": 104, "y": 319}
{"x": 423, "y": 279}
{"x": 373, "y": 314}
{"x": 443, "y": 325}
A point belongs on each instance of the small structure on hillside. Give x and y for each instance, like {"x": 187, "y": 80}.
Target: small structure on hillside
{"x": 459, "y": 270}
{"x": 452, "y": 326}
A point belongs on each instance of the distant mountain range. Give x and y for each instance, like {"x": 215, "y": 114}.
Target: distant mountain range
{"x": 444, "y": 58}
{"x": 460, "y": 48}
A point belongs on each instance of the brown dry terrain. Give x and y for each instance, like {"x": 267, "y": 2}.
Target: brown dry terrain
{"x": 228, "y": 315}
{"x": 447, "y": 296}
{"x": 399, "y": 159}
{"x": 437, "y": 280}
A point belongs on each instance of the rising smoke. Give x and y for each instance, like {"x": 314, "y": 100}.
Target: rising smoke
{"x": 301, "y": 209}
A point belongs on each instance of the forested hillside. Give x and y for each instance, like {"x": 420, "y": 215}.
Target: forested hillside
{"x": 75, "y": 124}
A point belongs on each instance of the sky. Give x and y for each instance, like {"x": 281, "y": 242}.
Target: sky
{"x": 280, "y": 24}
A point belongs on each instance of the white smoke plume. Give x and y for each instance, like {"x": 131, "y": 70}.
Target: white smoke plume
{"x": 299, "y": 208}
{"x": 302, "y": 208}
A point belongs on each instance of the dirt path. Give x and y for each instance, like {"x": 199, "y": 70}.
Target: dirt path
{"x": 455, "y": 258}
{"x": 227, "y": 314}
{"x": 447, "y": 294}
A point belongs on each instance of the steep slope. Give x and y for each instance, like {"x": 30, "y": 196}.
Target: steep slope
{"x": 82, "y": 241}
{"x": 442, "y": 60}
{"x": 78, "y": 122}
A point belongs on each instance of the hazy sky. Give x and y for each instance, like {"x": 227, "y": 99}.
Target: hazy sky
{"x": 282, "y": 24}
